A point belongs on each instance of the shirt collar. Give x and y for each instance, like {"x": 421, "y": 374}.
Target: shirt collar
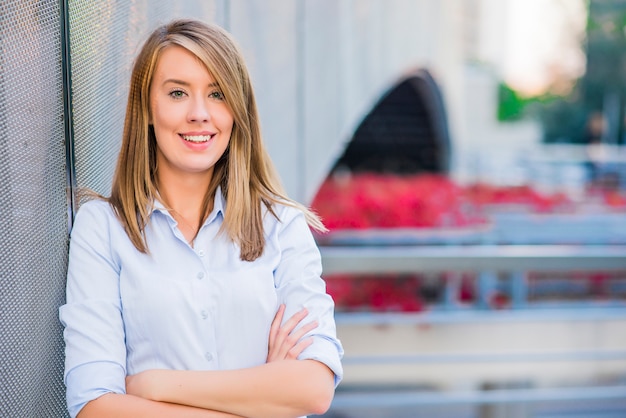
{"x": 218, "y": 205}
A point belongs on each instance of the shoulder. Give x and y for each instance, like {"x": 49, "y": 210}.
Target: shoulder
{"x": 286, "y": 223}
{"x": 94, "y": 215}
{"x": 96, "y": 208}
{"x": 94, "y": 205}
{"x": 283, "y": 213}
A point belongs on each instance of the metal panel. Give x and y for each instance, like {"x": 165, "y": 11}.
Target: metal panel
{"x": 33, "y": 210}
{"x": 269, "y": 42}
{"x": 407, "y": 259}
{"x": 322, "y": 89}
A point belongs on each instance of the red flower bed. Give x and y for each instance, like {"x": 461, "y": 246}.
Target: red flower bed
{"x": 385, "y": 201}
{"x": 484, "y": 194}
{"x": 401, "y": 292}
{"x": 378, "y": 293}
{"x": 613, "y": 199}
{"x": 420, "y": 201}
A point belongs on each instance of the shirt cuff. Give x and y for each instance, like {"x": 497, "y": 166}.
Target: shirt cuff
{"x": 90, "y": 381}
{"x": 326, "y": 351}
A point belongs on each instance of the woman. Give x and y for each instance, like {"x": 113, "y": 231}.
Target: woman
{"x": 195, "y": 289}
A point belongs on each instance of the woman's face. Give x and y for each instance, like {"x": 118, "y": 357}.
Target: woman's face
{"x": 191, "y": 120}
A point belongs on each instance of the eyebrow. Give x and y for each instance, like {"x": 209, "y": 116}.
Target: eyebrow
{"x": 185, "y": 83}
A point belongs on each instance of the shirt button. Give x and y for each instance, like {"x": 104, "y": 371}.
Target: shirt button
{"x": 200, "y": 276}
{"x": 204, "y": 314}
{"x": 201, "y": 253}
{"x": 208, "y": 356}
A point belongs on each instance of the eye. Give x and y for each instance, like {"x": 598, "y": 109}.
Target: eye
{"x": 177, "y": 94}
{"x": 217, "y": 95}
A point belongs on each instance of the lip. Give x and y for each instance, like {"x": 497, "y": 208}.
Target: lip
{"x": 199, "y": 143}
{"x": 197, "y": 133}
{"x": 197, "y": 137}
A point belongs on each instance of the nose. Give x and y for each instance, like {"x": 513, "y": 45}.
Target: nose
{"x": 198, "y": 111}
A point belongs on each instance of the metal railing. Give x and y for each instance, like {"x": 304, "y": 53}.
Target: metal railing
{"x": 486, "y": 261}
{"x": 406, "y": 259}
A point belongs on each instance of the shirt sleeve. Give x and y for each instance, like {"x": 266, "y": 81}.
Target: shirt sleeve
{"x": 299, "y": 284}
{"x": 95, "y": 352}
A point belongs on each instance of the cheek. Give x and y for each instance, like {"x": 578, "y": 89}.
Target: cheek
{"x": 228, "y": 125}
{"x": 158, "y": 117}
{"x": 164, "y": 116}
{"x": 225, "y": 117}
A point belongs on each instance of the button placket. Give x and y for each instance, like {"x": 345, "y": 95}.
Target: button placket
{"x": 204, "y": 310}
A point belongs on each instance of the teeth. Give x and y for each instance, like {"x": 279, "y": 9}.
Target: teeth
{"x": 196, "y": 138}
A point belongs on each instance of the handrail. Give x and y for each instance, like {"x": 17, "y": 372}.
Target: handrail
{"x": 494, "y": 357}
{"x": 485, "y": 260}
{"x": 573, "y": 313}
{"x": 475, "y": 258}
{"x": 396, "y": 399}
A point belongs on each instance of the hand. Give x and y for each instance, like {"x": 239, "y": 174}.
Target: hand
{"x": 284, "y": 342}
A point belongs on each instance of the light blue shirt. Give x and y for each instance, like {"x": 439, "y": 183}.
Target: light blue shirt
{"x": 182, "y": 307}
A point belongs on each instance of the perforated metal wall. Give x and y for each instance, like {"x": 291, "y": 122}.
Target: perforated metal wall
{"x": 33, "y": 210}
{"x": 37, "y": 136}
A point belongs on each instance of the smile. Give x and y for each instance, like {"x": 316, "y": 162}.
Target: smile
{"x": 197, "y": 138}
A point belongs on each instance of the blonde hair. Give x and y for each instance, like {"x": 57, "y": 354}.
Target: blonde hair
{"x": 245, "y": 172}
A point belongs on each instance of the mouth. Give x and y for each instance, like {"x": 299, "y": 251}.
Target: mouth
{"x": 197, "y": 139}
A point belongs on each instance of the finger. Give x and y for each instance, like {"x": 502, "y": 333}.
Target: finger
{"x": 299, "y": 348}
{"x": 285, "y": 330}
{"x": 281, "y": 342}
{"x": 272, "y": 350}
{"x": 291, "y": 324}
{"x": 300, "y": 332}
{"x": 293, "y": 339}
{"x": 278, "y": 319}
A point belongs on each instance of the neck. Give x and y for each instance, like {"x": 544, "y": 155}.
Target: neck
{"x": 184, "y": 195}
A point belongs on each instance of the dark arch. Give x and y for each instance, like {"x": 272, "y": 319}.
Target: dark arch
{"x": 405, "y": 133}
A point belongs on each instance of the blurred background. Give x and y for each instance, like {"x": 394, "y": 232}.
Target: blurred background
{"x": 467, "y": 156}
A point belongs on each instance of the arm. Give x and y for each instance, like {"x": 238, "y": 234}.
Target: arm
{"x": 246, "y": 391}
{"x": 95, "y": 354}
{"x": 287, "y": 388}
{"x": 120, "y": 406}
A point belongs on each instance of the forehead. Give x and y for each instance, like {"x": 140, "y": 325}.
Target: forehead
{"x": 176, "y": 62}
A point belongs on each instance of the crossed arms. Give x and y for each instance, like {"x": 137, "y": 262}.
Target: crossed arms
{"x": 283, "y": 387}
